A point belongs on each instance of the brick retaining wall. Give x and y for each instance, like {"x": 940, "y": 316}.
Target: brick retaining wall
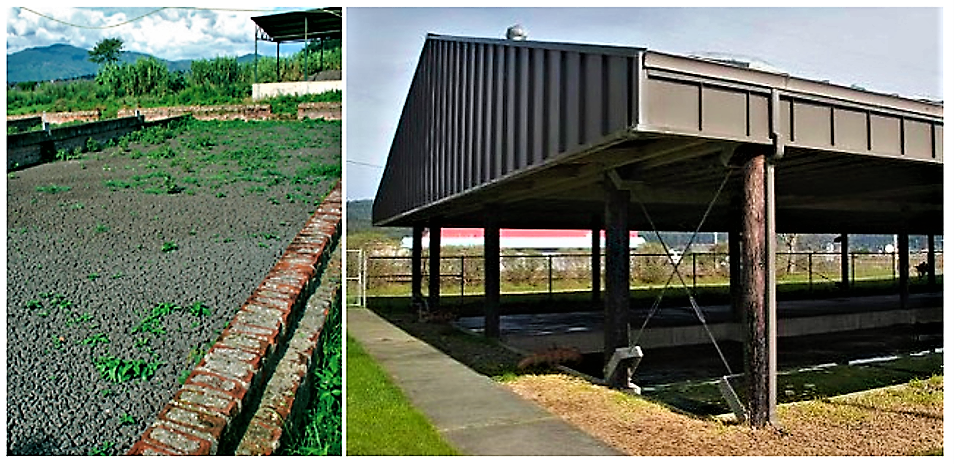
{"x": 257, "y": 112}
{"x": 315, "y": 110}
{"x": 220, "y": 398}
{"x": 205, "y": 113}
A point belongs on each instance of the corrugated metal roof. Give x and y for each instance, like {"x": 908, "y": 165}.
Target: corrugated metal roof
{"x": 529, "y": 129}
{"x": 320, "y": 23}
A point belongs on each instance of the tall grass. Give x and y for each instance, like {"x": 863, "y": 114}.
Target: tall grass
{"x": 320, "y": 434}
{"x": 148, "y": 83}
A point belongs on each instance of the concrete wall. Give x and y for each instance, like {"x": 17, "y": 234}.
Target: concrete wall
{"x": 31, "y": 148}
{"x": 24, "y": 123}
{"x": 275, "y": 89}
{"x": 664, "y": 337}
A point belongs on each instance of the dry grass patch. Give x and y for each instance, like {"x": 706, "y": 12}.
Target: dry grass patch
{"x": 901, "y": 420}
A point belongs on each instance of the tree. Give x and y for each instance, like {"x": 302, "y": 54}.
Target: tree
{"x": 106, "y": 51}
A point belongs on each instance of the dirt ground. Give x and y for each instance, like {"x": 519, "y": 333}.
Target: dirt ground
{"x": 906, "y": 420}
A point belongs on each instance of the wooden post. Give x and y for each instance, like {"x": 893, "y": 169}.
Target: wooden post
{"x": 434, "y": 263}
{"x": 752, "y": 298}
{"x": 904, "y": 268}
{"x": 595, "y": 266}
{"x": 931, "y": 263}
{"x": 491, "y": 276}
{"x": 616, "y": 303}
{"x": 845, "y": 273}
{"x": 771, "y": 320}
{"x": 416, "y": 260}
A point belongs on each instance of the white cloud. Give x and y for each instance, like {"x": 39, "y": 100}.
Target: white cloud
{"x": 171, "y": 33}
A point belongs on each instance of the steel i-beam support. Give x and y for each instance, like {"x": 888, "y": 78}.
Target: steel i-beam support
{"x": 491, "y": 275}
{"x": 434, "y": 268}
{"x": 845, "y": 273}
{"x": 417, "y": 254}
{"x": 931, "y": 263}
{"x": 595, "y": 267}
{"x": 904, "y": 267}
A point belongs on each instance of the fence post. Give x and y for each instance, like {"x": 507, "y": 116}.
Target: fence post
{"x": 462, "y": 280}
{"x": 363, "y": 284}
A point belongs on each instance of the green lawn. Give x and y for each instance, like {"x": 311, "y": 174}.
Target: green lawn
{"x": 381, "y": 421}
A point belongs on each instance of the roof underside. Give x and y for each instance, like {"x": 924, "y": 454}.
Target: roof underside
{"x": 530, "y": 132}
{"x": 322, "y": 23}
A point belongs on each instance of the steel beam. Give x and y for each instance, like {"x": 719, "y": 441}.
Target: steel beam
{"x": 932, "y": 273}
{"x": 434, "y": 268}
{"x": 845, "y": 276}
{"x": 904, "y": 267}
{"x": 491, "y": 275}
{"x": 595, "y": 267}
{"x": 416, "y": 261}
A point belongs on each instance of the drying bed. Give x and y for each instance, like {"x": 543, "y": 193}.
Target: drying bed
{"x": 126, "y": 262}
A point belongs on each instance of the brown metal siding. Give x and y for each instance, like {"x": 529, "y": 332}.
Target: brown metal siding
{"x": 697, "y": 98}
{"x": 481, "y": 110}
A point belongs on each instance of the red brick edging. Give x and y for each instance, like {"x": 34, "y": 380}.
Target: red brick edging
{"x": 215, "y": 402}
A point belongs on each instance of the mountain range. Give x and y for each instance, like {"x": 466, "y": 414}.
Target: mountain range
{"x": 62, "y": 61}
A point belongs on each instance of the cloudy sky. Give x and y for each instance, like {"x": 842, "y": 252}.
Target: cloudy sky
{"x": 893, "y": 50}
{"x": 170, "y": 33}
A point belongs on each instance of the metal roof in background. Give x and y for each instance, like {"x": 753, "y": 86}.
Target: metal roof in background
{"x": 320, "y": 23}
{"x": 529, "y": 130}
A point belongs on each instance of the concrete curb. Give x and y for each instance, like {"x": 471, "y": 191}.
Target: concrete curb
{"x": 211, "y": 411}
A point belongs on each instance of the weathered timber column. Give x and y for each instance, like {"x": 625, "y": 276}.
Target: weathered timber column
{"x": 616, "y": 302}
{"x": 845, "y": 277}
{"x": 491, "y": 275}
{"x": 434, "y": 265}
{"x": 931, "y": 263}
{"x": 752, "y": 298}
{"x": 771, "y": 319}
{"x": 904, "y": 267}
{"x": 595, "y": 266}
{"x": 416, "y": 260}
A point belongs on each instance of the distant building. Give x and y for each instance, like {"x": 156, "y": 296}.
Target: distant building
{"x": 529, "y": 239}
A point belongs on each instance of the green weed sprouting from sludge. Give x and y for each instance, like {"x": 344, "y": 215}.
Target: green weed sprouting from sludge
{"x": 116, "y": 370}
{"x": 53, "y": 188}
{"x": 95, "y": 339}
{"x": 199, "y": 309}
{"x": 105, "y": 449}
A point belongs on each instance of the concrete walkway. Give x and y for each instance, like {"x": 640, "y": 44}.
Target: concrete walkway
{"x": 475, "y": 414}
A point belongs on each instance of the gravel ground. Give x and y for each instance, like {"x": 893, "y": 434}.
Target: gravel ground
{"x": 87, "y": 266}
{"x": 906, "y": 420}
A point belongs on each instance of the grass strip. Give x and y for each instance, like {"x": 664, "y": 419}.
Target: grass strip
{"x": 381, "y": 420}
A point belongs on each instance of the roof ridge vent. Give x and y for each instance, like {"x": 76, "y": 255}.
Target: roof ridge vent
{"x": 516, "y": 32}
